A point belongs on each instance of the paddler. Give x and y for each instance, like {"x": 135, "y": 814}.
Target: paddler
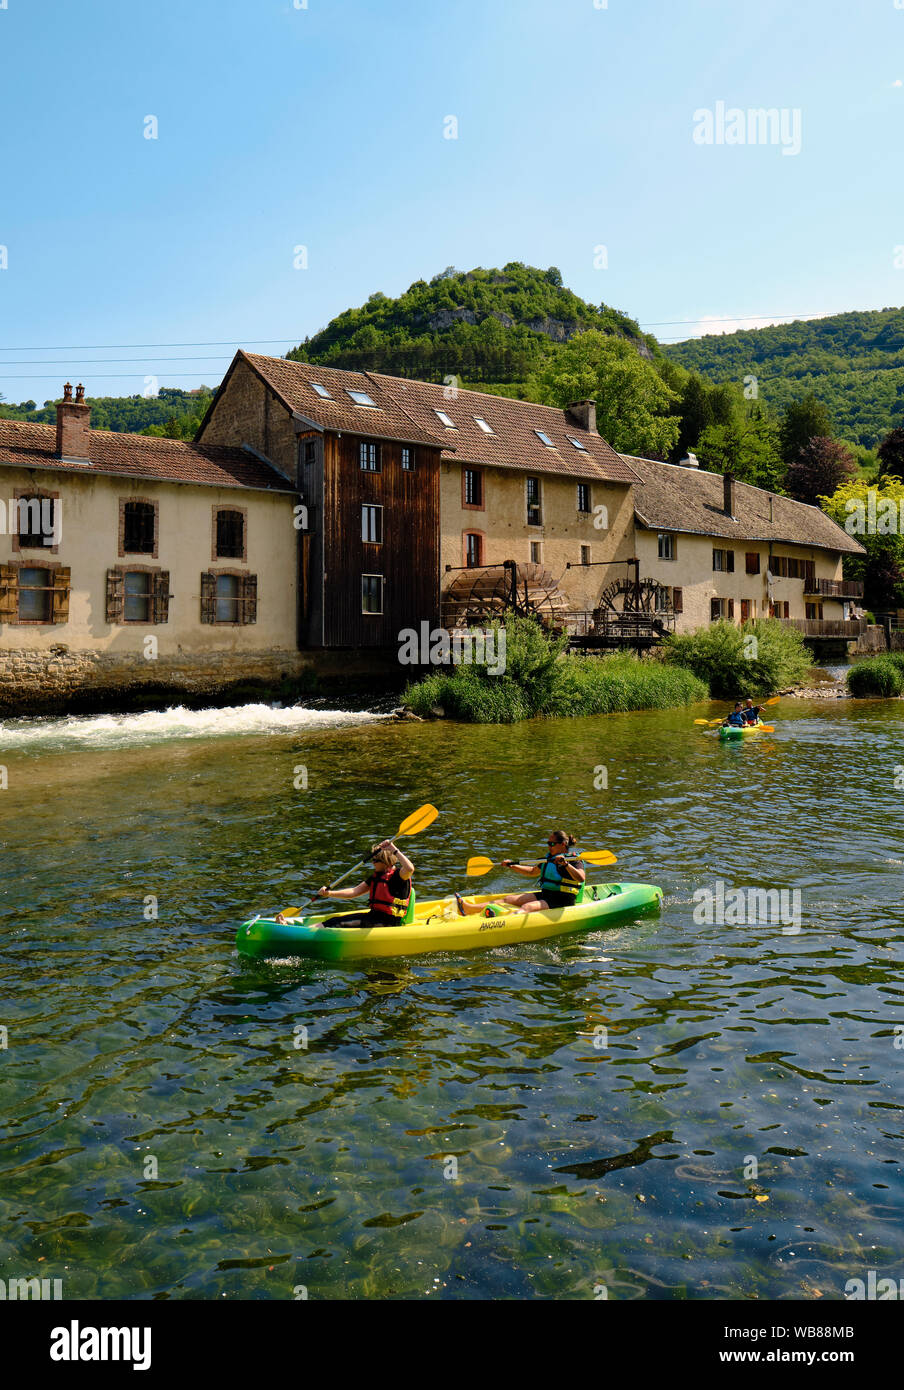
{"x": 736, "y": 719}
{"x": 561, "y": 876}
{"x": 751, "y": 712}
{"x": 388, "y": 888}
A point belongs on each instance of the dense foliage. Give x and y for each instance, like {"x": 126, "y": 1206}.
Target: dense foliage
{"x": 734, "y": 666}
{"x": 853, "y": 362}
{"x": 877, "y": 676}
{"x": 872, "y": 513}
{"x": 542, "y": 680}
{"x": 173, "y": 412}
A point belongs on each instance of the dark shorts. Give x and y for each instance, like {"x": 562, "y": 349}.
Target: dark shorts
{"x": 365, "y": 919}
{"x": 553, "y": 899}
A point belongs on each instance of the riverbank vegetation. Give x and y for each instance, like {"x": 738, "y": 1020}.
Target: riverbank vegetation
{"x": 541, "y": 679}
{"x": 758, "y": 658}
{"x": 881, "y": 676}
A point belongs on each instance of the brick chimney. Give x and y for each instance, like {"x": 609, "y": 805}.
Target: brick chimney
{"x": 583, "y": 413}
{"x": 728, "y": 494}
{"x": 73, "y": 424}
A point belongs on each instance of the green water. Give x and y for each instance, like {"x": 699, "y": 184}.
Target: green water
{"x": 331, "y": 1166}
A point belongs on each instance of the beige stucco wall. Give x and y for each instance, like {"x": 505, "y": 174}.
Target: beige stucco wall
{"x": 507, "y": 536}
{"x": 90, "y": 546}
{"x": 692, "y": 571}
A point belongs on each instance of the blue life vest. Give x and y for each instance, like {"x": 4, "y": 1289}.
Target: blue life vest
{"x": 552, "y": 877}
{"x": 737, "y": 720}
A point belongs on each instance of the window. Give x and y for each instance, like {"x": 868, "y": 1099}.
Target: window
{"x": 544, "y": 439}
{"x": 473, "y": 549}
{"x": 534, "y": 513}
{"x": 719, "y": 608}
{"x": 35, "y": 596}
{"x": 752, "y": 561}
{"x": 577, "y": 443}
{"x": 310, "y": 451}
{"x": 813, "y": 610}
{"x": 678, "y": 600}
{"x": 137, "y": 595}
{"x": 139, "y": 528}
{"x": 228, "y": 596}
{"x": 483, "y": 424}
{"x": 745, "y": 610}
{"x": 362, "y": 398}
{"x": 666, "y": 545}
{"x": 446, "y": 420}
{"x": 371, "y": 593}
{"x": 369, "y": 455}
{"x": 372, "y": 524}
{"x": 723, "y": 561}
{"x": 584, "y": 497}
{"x": 407, "y": 459}
{"x": 585, "y": 554}
{"x": 785, "y": 608}
{"x": 36, "y": 521}
{"x": 230, "y": 535}
{"x": 321, "y": 390}
{"x": 472, "y": 483}
{"x": 535, "y": 553}
{"x": 662, "y": 602}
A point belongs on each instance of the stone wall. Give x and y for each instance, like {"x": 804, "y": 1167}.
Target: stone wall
{"x": 59, "y": 680}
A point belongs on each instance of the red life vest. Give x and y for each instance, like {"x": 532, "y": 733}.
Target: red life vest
{"x": 381, "y": 899}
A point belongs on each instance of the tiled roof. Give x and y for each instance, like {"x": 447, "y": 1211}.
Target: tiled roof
{"x": 513, "y": 443}
{"x": 292, "y": 382}
{"x": 669, "y": 497}
{"x": 141, "y": 456}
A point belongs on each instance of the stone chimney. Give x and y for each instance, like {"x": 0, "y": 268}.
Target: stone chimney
{"x": 689, "y": 461}
{"x": 728, "y": 494}
{"x": 583, "y": 413}
{"x": 73, "y": 425}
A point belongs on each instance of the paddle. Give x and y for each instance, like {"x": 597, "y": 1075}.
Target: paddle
{"x": 479, "y": 865}
{"x": 711, "y": 723}
{"x": 413, "y": 825}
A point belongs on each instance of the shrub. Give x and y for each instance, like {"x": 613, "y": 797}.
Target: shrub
{"x": 878, "y": 675}
{"x": 719, "y": 656}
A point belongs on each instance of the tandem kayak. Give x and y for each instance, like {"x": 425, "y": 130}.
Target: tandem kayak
{"x": 437, "y": 926}
{"x": 740, "y": 730}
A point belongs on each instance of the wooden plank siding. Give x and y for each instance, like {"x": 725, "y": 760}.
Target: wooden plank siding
{"x": 407, "y": 557}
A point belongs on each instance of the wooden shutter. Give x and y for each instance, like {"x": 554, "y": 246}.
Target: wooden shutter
{"x": 731, "y": 608}
{"x": 730, "y": 554}
{"x": 61, "y": 578}
{"x": 115, "y": 596}
{"x": 678, "y": 600}
{"x": 9, "y": 584}
{"x": 208, "y": 597}
{"x": 160, "y": 596}
{"x": 249, "y": 598}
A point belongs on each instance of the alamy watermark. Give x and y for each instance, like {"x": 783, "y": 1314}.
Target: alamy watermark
{"x": 877, "y": 516}
{"x": 731, "y": 125}
{"x": 428, "y": 646}
{"x": 749, "y": 907}
{"x": 32, "y": 516}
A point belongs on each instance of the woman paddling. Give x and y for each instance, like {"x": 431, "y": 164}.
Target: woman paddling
{"x": 561, "y": 877}
{"x": 388, "y": 887}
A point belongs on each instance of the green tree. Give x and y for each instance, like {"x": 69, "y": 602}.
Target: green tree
{"x": 746, "y": 446}
{"x": 872, "y": 514}
{"x": 891, "y": 455}
{"x": 634, "y": 405}
{"x": 802, "y": 421}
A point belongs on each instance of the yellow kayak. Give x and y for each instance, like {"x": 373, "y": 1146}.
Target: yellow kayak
{"x": 437, "y": 926}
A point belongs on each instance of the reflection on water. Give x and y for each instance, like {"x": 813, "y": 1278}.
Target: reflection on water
{"x": 452, "y": 1127}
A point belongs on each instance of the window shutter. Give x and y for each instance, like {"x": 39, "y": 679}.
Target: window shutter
{"x": 161, "y": 596}
{"x": 115, "y": 596}
{"x": 731, "y": 608}
{"x": 730, "y": 554}
{"x": 9, "y": 583}
{"x": 678, "y": 600}
{"x": 208, "y": 597}
{"x": 61, "y": 579}
{"x": 249, "y": 598}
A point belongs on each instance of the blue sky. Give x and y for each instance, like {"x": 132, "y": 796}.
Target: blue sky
{"x": 324, "y": 127}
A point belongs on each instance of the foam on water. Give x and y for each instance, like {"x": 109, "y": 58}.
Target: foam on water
{"x": 104, "y": 731}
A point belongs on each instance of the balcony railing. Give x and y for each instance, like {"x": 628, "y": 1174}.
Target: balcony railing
{"x": 827, "y": 627}
{"x": 834, "y": 588}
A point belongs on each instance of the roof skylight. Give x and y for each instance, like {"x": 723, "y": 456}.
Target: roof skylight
{"x": 544, "y": 439}
{"x": 577, "y": 443}
{"x": 483, "y": 424}
{"x": 446, "y": 420}
{"x": 362, "y": 398}
{"x": 321, "y": 390}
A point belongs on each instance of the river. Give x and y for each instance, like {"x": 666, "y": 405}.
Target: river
{"x": 454, "y": 1127}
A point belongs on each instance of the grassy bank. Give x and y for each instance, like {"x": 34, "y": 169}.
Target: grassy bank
{"x": 881, "y": 676}
{"x": 541, "y": 679}
{"x": 758, "y": 658}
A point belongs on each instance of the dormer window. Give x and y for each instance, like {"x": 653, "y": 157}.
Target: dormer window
{"x": 362, "y": 398}
{"x": 446, "y": 420}
{"x": 544, "y": 439}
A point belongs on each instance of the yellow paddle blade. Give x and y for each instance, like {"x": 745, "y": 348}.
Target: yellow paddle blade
{"x": 714, "y": 722}
{"x": 418, "y": 820}
{"x": 774, "y": 701}
{"x": 767, "y": 728}
{"x": 704, "y": 722}
{"x": 478, "y": 865}
{"x": 599, "y": 857}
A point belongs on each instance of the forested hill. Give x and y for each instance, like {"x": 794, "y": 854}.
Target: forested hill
{"x": 483, "y": 326}
{"x": 852, "y": 362}
{"x": 173, "y": 412}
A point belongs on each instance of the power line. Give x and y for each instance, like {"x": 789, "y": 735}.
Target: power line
{"x": 102, "y": 361}
{"x": 122, "y": 347}
{"x": 733, "y": 318}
